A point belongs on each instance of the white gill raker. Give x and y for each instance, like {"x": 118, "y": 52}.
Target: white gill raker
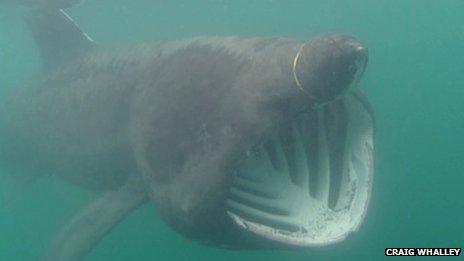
{"x": 256, "y": 214}
{"x": 253, "y": 188}
{"x": 355, "y": 169}
{"x": 323, "y": 164}
{"x": 268, "y": 205}
{"x": 336, "y": 121}
{"x": 265, "y": 160}
{"x": 264, "y": 202}
{"x": 263, "y": 217}
{"x": 301, "y": 160}
{"x": 361, "y": 140}
{"x": 259, "y": 192}
{"x": 344, "y": 188}
{"x": 308, "y": 130}
{"x": 281, "y": 161}
{"x": 286, "y": 144}
{"x": 347, "y": 187}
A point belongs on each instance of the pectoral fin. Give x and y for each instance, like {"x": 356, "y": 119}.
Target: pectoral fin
{"x": 89, "y": 225}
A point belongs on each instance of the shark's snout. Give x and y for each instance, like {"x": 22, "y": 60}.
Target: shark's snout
{"x": 327, "y": 66}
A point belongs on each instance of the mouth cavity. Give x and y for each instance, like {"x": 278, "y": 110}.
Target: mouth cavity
{"x": 308, "y": 183}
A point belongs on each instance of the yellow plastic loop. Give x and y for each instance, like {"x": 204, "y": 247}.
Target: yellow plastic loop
{"x": 295, "y": 62}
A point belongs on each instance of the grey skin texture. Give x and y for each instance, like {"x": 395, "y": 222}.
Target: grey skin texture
{"x": 167, "y": 122}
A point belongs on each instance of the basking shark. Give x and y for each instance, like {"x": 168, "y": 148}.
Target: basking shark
{"x": 239, "y": 142}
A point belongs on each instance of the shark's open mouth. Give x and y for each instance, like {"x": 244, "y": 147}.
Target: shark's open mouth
{"x": 309, "y": 183}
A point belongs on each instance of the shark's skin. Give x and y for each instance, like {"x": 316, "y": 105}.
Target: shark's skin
{"x": 173, "y": 122}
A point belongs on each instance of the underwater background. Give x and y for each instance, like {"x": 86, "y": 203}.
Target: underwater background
{"x": 415, "y": 81}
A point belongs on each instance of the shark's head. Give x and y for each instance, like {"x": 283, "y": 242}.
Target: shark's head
{"x": 271, "y": 175}
{"x": 307, "y": 181}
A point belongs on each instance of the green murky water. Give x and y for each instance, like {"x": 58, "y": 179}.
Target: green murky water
{"x": 415, "y": 80}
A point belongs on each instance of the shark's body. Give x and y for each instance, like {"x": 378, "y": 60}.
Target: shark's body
{"x": 215, "y": 131}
